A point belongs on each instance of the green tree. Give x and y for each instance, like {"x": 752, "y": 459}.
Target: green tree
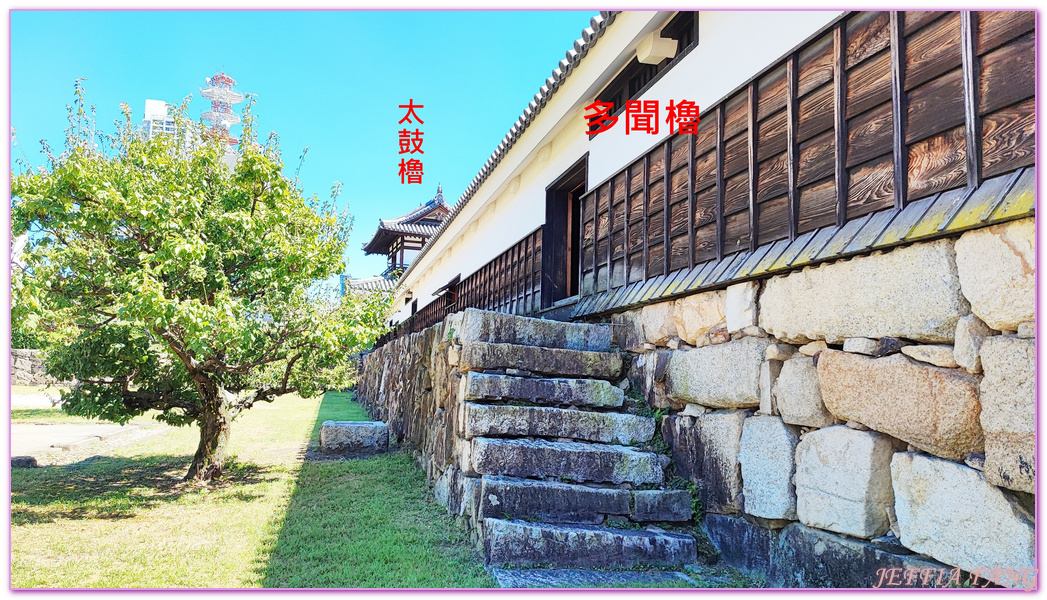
{"x": 166, "y": 280}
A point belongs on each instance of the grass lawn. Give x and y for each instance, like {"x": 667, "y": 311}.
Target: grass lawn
{"x": 127, "y": 519}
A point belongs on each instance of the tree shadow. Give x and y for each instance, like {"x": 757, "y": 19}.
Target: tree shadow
{"x": 365, "y": 523}
{"x": 113, "y": 488}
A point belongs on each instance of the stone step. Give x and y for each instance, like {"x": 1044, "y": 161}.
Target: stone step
{"x": 549, "y": 501}
{"x": 485, "y": 420}
{"x": 589, "y": 578}
{"x": 500, "y": 328}
{"x": 521, "y": 544}
{"x": 481, "y": 356}
{"x": 577, "y": 461}
{"x": 555, "y": 502}
{"x": 549, "y": 391}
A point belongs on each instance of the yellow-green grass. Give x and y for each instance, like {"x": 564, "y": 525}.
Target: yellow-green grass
{"x": 127, "y": 519}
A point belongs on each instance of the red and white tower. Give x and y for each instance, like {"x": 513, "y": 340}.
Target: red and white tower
{"x": 223, "y": 98}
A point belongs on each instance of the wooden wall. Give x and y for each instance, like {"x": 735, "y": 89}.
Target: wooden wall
{"x": 510, "y": 283}
{"x": 882, "y": 109}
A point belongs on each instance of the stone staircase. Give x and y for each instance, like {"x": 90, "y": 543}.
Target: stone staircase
{"x": 568, "y": 477}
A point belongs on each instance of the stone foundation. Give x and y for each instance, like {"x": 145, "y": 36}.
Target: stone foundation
{"x": 836, "y": 421}
{"x": 894, "y": 399}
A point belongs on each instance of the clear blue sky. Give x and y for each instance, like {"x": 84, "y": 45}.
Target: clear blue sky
{"x": 330, "y": 80}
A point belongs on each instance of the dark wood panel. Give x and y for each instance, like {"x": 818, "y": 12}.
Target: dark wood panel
{"x": 705, "y": 207}
{"x": 679, "y": 253}
{"x": 870, "y": 134}
{"x": 938, "y": 163}
{"x": 657, "y": 165}
{"x": 678, "y": 157}
{"x": 773, "y": 220}
{"x": 603, "y": 197}
{"x": 736, "y": 115}
{"x": 871, "y": 187}
{"x": 619, "y": 191}
{"x": 997, "y": 27}
{"x": 678, "y": 219}
{"x": 915, "y": 19}
{"x": 655, "y": 228}
{"x": 705, "y": 139}
{"x": 636, "y": 207}
{"x": 736, "y": 233}
{"x": 618, "y": 273}
{"x": 588, "y": 232}
{"x": 1008, "y": 138}
{"x": 817, "y": 158}
{"x": 817, "y": 206}
{"x": 656, "y": 198}
{"x": 771, "y": 94}
{"x": 678, "y": 186}
{"x": 736, "y": 155}
{"x": 773, "y": 179}
{"x": 1008, "y": 75}
{"x": 935, "y": 106}
{"x": 869, "y": 84}
{"x": 867, "y": 34}
{"x": 618, "y": 216}
{"x": 815, "y": 113}
{"x": 636, "y": 236}
{"x": 705, "y": 243}
{"x": 635, "y": 267}
{"x": 736, "y": 194}
{"x": 816, "y": 64}
{"x": 602, "y": 247}
{"x": 705, "y": 170}
{"x": 773, "y": 136}
{"x": 602, "y": 222}
{"x": 618, "y": 244}
{"x": 588, "y": 257}
{"x": 636, "y": 177}
{"x": 932, "y": 51}
{"x": 655, "y": 260}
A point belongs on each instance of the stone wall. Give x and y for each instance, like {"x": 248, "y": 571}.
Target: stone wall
{"x": 878, "y": 410}
{"x": 27, "y": 368}
{"x": 845, "y": 425}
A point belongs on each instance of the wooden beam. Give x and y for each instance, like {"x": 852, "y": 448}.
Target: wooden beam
{"x": 971, "y": 92}
{"x": 792, "y": 146}
{"x": 753, "y": 207}
{"x": 840, "y": 115}
{"x": 628, "y": 217}
{"x": 666, "y": 244}
{"x": 690, "y": 202}
{"x": 610, "y": 228}
{"x": 644, "y": 191}
{"x": 899, "y": 111}
{"x": 719, "y": 182}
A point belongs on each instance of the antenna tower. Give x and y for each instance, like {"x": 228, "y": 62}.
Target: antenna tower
{"x": 221, "y": 115}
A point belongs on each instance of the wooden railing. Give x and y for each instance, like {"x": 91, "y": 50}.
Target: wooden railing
{"x": 882, "y": 109}
{"x": 511, "y": 283}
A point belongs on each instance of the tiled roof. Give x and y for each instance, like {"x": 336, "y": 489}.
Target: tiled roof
{"x": 403, "y": 224}
{"x": 408, "y": 228}
{"x": 597, "y": 25}
{"x": 371, "y": 284}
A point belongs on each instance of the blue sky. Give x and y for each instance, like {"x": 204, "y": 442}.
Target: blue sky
{"x": 330, "y": 80}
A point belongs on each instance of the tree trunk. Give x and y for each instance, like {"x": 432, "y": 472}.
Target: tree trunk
{"x": 214, "y": 434}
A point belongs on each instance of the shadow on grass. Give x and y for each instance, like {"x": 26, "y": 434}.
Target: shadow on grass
{"x": 367, "y": 523}
{"x": 105, "y": 487}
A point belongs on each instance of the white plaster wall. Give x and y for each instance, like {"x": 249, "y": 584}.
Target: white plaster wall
{"x": 733, "y": 46}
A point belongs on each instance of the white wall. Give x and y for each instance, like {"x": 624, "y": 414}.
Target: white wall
{"x": 733, "y": 46}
